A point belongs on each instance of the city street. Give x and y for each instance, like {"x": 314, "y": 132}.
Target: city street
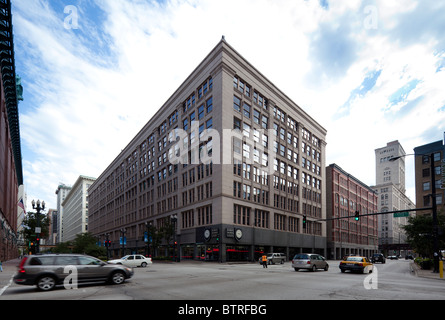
{"x": 191, "y": 280}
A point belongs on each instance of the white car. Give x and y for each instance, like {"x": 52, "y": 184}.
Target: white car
{"x": 133, "y": 260}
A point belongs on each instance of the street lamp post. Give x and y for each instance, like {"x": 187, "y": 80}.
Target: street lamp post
{"x": 107, "y": 244}
{"x": 38, "y": 207}
{"x": 174, "y": 219}
{"x": 434, "y": 206}
{"x": 123, "y": 240}
{"x": 148, "y": 236}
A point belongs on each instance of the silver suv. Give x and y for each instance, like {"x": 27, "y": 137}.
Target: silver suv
{"x": 48, "y": 270}
{"x": 309, "y": 261}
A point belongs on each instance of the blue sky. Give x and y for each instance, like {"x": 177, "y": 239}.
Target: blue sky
{"x": 94, "y": 72}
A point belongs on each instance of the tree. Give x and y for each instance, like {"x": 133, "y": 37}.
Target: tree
{"x": 86, "y": 243}
{"x": 419, "y": 231}
{"x": 30, "y": 224}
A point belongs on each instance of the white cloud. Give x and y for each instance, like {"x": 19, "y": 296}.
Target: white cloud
{"x": 89, "y": 91}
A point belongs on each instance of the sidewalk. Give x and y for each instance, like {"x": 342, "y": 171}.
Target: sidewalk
{"x": 415, "y": 268}
{"x": 9, "y": 270}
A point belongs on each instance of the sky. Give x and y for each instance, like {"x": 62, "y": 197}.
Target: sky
{"x": 95, "y": 71}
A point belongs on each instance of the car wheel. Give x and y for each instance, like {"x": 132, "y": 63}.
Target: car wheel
{"x": 143, "y": 264}
{"x": 117, "y": 277}
{"x": 314, "y": 268}
{"x": 46, "y": 283}
{"x": 326, "y": 268}
{"x": 296, "y": 269}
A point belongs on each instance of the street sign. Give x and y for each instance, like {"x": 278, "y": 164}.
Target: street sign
{"x": 401, "y": 214}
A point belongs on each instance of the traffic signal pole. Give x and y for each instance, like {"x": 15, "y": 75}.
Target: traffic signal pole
{"x": 358, "y": 215}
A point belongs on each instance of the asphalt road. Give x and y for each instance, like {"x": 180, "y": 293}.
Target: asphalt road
{"x": 213, "y": 281}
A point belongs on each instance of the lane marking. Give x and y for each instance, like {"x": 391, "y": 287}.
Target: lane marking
{"x": 6, "y": 287}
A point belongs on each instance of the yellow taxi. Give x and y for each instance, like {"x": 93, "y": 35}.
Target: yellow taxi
{"x": 356, "y": 264}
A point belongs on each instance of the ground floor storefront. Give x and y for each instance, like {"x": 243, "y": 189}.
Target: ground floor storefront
{"x": 225, "y": 243}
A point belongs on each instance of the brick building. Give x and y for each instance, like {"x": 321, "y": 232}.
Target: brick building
{"x": 345, "y": 195}
{"x": 423, "y": 175}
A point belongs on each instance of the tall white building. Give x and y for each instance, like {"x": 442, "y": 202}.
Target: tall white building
{"x": 61, "y": 192}
{"x": 75, "y": 209}
{"x": 390, "y": 187}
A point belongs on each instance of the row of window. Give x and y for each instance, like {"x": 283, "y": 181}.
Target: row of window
{"x": 199, "y": 114}
{"x": 244, "y": 88}
{"x": 204, "y": 216}
{"x": 200, "y": 91}
{"x": 248, "y": 171}
{"x": 246, "y": 192}
{"x": 242, "y": 216}
{"x": 204, "y": 191}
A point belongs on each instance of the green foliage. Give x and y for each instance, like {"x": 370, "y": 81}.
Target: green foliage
{"x": 424, "y": 263}
{"x": 419, "y": 231}
{"x": 63, "y": 247}
{"x": 30, "y": 223}
{"x": 84, "y": 243}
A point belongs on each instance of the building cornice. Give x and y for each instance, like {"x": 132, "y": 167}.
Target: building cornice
{"x": 7, "y": 64}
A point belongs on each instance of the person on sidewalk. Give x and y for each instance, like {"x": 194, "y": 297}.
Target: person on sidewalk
{"x": 264, "y": 260}
{"x": 1, "y": 267}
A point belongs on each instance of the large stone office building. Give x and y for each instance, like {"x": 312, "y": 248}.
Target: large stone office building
{"x": 229, "y": 161}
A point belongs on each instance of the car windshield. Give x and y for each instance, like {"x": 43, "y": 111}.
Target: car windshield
{"x": 301, "y": 257}
{"x": 358, "y": 259}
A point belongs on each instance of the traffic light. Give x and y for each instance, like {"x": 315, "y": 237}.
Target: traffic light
{"x": 304, "y": 222}
{"x": 357, "y": 216}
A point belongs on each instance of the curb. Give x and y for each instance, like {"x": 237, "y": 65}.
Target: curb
{"x": 419, "y": 272}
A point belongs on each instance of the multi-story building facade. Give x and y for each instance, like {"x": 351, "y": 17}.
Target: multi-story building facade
{"x": 345, "y": 195}
{"x": 61, "y": 192}
{"x": 75, "y": 209}
{"x": 390, "y": 187}
{"x": 230, "y": 158}
{"x": 51, "y": 239}
{"x": 11, "y": 173}
{"x": 388, "y": 171}
{"x": 423, "y": 176}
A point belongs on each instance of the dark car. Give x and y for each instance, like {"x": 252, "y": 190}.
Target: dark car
{"x": 378, "y": 257}
{"x": 48, "y": 270}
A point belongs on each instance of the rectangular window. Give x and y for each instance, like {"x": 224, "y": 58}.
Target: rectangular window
{"x": 236, "y": 103}
{"x": 246, "y": 109}
{"x": 209, "y": 104}
{"x": 256, "y": 116}
{"x": 201, "y": 112}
